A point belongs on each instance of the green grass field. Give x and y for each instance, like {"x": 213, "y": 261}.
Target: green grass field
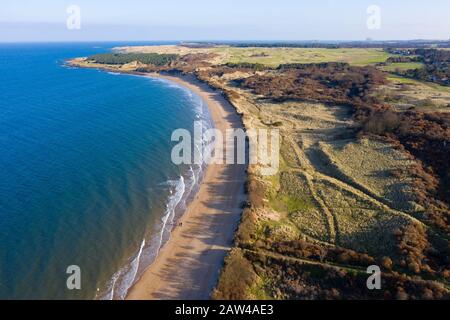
{"x": 275, "y": 56}
{"x": 402, "y": 66}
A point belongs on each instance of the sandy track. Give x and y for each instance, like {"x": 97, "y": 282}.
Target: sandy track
{"x": 188, "y": 266}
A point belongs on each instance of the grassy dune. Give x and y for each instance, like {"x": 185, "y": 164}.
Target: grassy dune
{"x": 341, "y": 191}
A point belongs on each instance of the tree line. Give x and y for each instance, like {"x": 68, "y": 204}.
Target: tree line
{"x": 123, "y": 58}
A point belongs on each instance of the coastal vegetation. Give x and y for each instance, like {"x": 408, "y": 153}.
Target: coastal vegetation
{"x": 124, "y": 58}
{"x": 364, "y": 174}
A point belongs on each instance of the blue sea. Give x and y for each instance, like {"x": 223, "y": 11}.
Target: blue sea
{"x": 86, "y": 177}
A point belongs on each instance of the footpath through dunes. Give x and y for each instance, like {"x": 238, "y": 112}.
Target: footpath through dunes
{"x": 189, "y": 264}
{"x": 354, "y": 200}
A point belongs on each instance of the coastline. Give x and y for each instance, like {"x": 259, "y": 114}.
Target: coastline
{"x": 188, "y": 265}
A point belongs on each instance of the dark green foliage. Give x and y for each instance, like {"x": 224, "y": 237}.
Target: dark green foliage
{"x": 404, "y": 59}
{"x": 123, "y": 58}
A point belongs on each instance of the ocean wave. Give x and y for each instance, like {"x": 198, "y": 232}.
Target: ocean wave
{"x": 169, "y": 215}
{"x": 124, "y": 279}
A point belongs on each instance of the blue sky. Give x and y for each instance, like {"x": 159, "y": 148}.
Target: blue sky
{"x": 45, "y": 20}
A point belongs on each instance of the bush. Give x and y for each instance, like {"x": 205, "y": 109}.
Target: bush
{"x": 236, "y": 278}
{"x": 382, "y": 122}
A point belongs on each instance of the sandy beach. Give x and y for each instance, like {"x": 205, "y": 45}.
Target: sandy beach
{"x": 189, "y": 264}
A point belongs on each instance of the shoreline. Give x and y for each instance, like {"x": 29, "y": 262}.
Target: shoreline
{"x": 188, "y": 265}
{"x": 174, "y": 215}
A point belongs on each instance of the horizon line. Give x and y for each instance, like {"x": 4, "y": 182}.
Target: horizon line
{"x": 280, "y": 41}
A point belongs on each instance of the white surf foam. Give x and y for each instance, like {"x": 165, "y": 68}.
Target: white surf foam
{"x": 122, "y": 280}
{"x": 169, "y": 214}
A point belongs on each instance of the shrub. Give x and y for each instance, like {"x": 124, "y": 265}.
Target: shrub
{"x": 413, "y": 247}
{"x": 386, "y": 263}
{"x": 382, "y": 122}
{"x": 236, "y": 278}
